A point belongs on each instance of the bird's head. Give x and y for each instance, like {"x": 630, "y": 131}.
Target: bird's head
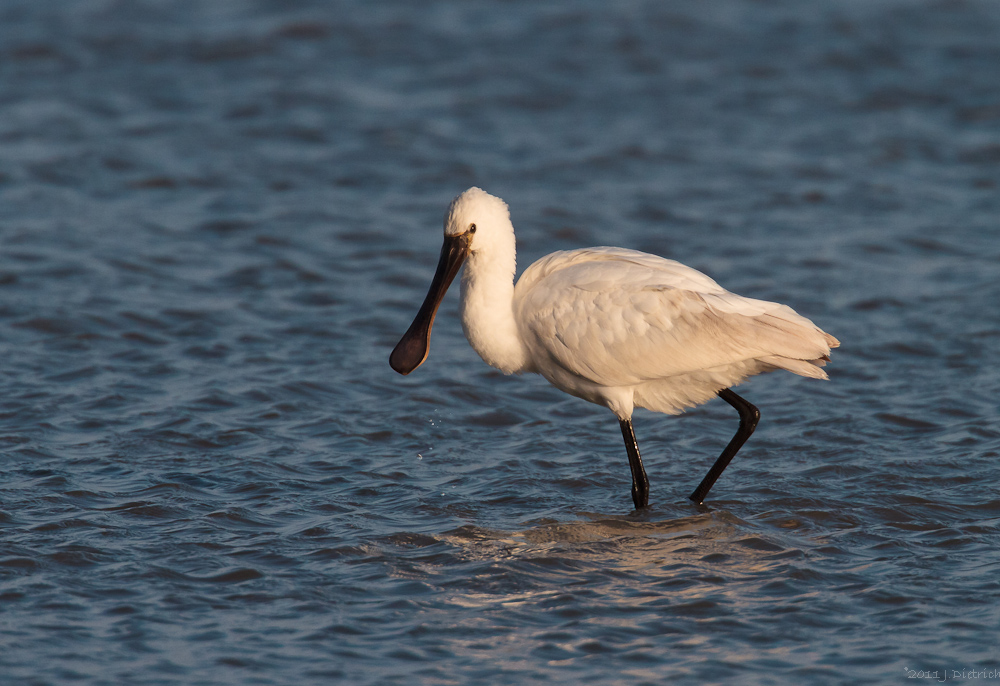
{"x": 478, "y": 218}
{"x": 475, "y": 222}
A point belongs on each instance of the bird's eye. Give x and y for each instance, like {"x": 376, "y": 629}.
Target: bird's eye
{"x": 472, "y": 228}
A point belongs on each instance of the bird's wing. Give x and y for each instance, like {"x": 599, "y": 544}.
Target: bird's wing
{"x": 621, "y": 260}
{"x": 619, "y": 317}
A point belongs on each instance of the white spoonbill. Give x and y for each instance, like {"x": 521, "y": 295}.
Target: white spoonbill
{"x": 619, "y": 328}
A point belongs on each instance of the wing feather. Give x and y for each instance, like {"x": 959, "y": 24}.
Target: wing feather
{"x": 618, "y": 317}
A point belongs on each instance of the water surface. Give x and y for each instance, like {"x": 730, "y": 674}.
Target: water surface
{"x": 216, "y": 219}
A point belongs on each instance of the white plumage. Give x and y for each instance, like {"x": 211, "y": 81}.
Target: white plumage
{"x": 623, "y": 328}
{"x": 616, "y": 327}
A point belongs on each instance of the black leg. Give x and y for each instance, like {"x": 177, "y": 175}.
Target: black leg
{"x": 640, "y": 483}
{"x": 749, "y": 415}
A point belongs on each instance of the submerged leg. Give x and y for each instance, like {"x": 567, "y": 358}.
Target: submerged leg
{"x": 749, "y": 415}
{"x": 640, "y": 483}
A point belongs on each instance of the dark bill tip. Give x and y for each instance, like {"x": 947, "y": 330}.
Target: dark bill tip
{"x": 411, "y": 351}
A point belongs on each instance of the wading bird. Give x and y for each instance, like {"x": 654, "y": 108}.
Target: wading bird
{"x": 619, "y": 328}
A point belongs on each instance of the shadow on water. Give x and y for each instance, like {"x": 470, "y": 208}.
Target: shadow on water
{"x": 628, "y": 541}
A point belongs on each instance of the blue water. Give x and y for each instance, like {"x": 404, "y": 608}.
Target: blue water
{"x": 217, "y": 218}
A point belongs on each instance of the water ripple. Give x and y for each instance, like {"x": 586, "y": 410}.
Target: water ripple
{"x": 217, "y": 219}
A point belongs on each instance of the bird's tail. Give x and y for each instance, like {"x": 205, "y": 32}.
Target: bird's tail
{"x": 811, "y": 368}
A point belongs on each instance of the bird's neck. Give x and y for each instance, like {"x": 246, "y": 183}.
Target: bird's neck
{"x": 488, "y": 310}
